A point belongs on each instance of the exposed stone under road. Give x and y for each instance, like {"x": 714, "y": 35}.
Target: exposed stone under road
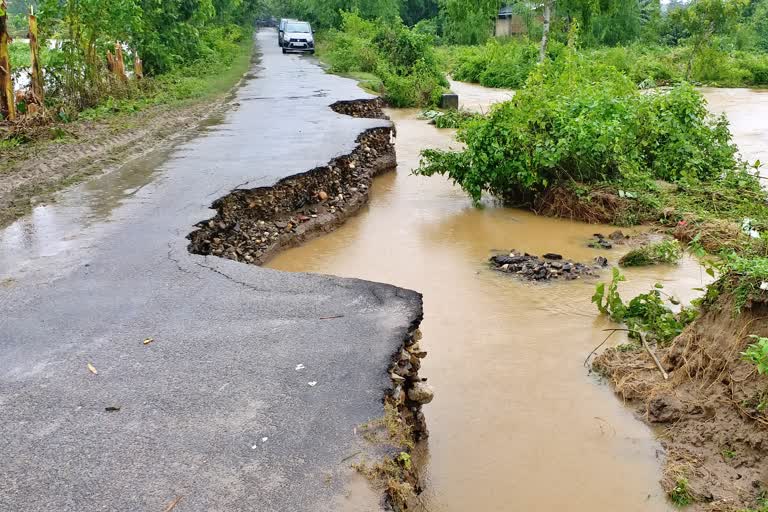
{"x": 213, "y": 413}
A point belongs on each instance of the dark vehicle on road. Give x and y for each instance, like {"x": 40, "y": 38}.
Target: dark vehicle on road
{"x": 297, "y": 37}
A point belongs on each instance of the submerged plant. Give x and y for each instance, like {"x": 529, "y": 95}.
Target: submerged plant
{"x": 667, "y": 251}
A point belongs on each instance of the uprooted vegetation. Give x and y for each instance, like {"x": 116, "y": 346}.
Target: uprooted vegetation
{"x": 664, "y": 251}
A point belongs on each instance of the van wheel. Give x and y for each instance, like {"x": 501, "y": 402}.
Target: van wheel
{"x": 311, "y": 52}
{"x": 285, "y": 51}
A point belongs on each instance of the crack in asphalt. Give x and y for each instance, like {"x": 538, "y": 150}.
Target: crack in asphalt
{"x": 230, "y": 278}
{"x": 178, "y": 263}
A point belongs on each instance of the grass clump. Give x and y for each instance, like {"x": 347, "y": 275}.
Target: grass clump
{"x": 680, "y": 494}
{"x": 450, "y": 118}
{"x": 402, "y": 59}
{"x": 666, "y": 251}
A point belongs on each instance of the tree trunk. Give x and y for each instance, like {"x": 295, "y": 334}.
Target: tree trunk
{"x": 7, "y": 99}
{"x": 138, "y": 68}
{"x": 545, "y": 32}
{"x": 38, "y": 90}
{"x": 120, "y": 63}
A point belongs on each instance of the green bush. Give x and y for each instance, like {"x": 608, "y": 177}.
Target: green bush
{"x": 402, "y": 58}
{"x": 508, "y": 64}
{"x": 495, "y": 64}
{"x": 585, "y": 122}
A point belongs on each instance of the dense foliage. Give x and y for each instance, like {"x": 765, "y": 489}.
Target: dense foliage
{"x": 577, "y": 121}
{"x": 403, "y": 59}
{"x": 495, "y": 64}
{"x": 182, "y": 40}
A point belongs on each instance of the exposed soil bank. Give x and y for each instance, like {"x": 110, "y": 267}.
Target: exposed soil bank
{"x": 253, "y": 225}
{"x": 713, "y": 408}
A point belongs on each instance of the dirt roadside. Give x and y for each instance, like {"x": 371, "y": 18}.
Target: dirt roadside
{"x": 66, "y": 154}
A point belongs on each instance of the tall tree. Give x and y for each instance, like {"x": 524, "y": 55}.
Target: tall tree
{"x": 468, "y": 21}
{"x": 702, "y": 19}
{"x": 545, "y": 32}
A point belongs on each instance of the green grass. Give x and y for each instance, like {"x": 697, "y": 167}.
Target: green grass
{"x": 666, "y": 251}
{"x": 199, "y": 81}
{"x": 681, "y": 494}
{"x": 367, "y": 81}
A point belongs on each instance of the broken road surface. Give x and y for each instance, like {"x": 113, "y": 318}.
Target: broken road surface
{"x": 135, "y": 375}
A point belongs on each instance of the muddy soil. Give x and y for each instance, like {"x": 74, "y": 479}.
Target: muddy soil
{"x": 712, "y": 409}
{"x": 69, "y": 153}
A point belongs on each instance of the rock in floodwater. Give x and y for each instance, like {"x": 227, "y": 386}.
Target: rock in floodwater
{"x": 600, "y": 242}
{"x": 550, "y": 266}
{"x": 421, "y": 393}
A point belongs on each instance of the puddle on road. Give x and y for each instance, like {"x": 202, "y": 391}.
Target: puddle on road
{"x": 517, "y": 423}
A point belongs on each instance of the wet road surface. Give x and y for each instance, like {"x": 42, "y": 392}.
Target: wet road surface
{"x": 213, "y": 412}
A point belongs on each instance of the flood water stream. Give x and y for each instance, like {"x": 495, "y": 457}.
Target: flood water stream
{"x": 517, "y": 422}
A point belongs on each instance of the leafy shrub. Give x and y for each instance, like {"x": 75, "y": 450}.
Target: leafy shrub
{"x": 402, "y": 58}
{"x": 496, "y": 64}
{"x": 667, "y": 251}
{"x": 586, "y": 122}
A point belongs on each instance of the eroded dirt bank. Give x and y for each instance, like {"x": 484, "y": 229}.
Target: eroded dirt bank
{"x": 712, "y": 409}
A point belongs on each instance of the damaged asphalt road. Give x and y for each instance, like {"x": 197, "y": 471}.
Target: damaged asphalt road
{"x": 248, "y": 395}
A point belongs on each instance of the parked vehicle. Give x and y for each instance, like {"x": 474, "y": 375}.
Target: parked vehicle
{"x": 281, "y": 30}
{"x": 298, "y": 37}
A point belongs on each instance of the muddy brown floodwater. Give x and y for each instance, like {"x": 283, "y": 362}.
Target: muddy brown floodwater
{"x": 517, "y": 422}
